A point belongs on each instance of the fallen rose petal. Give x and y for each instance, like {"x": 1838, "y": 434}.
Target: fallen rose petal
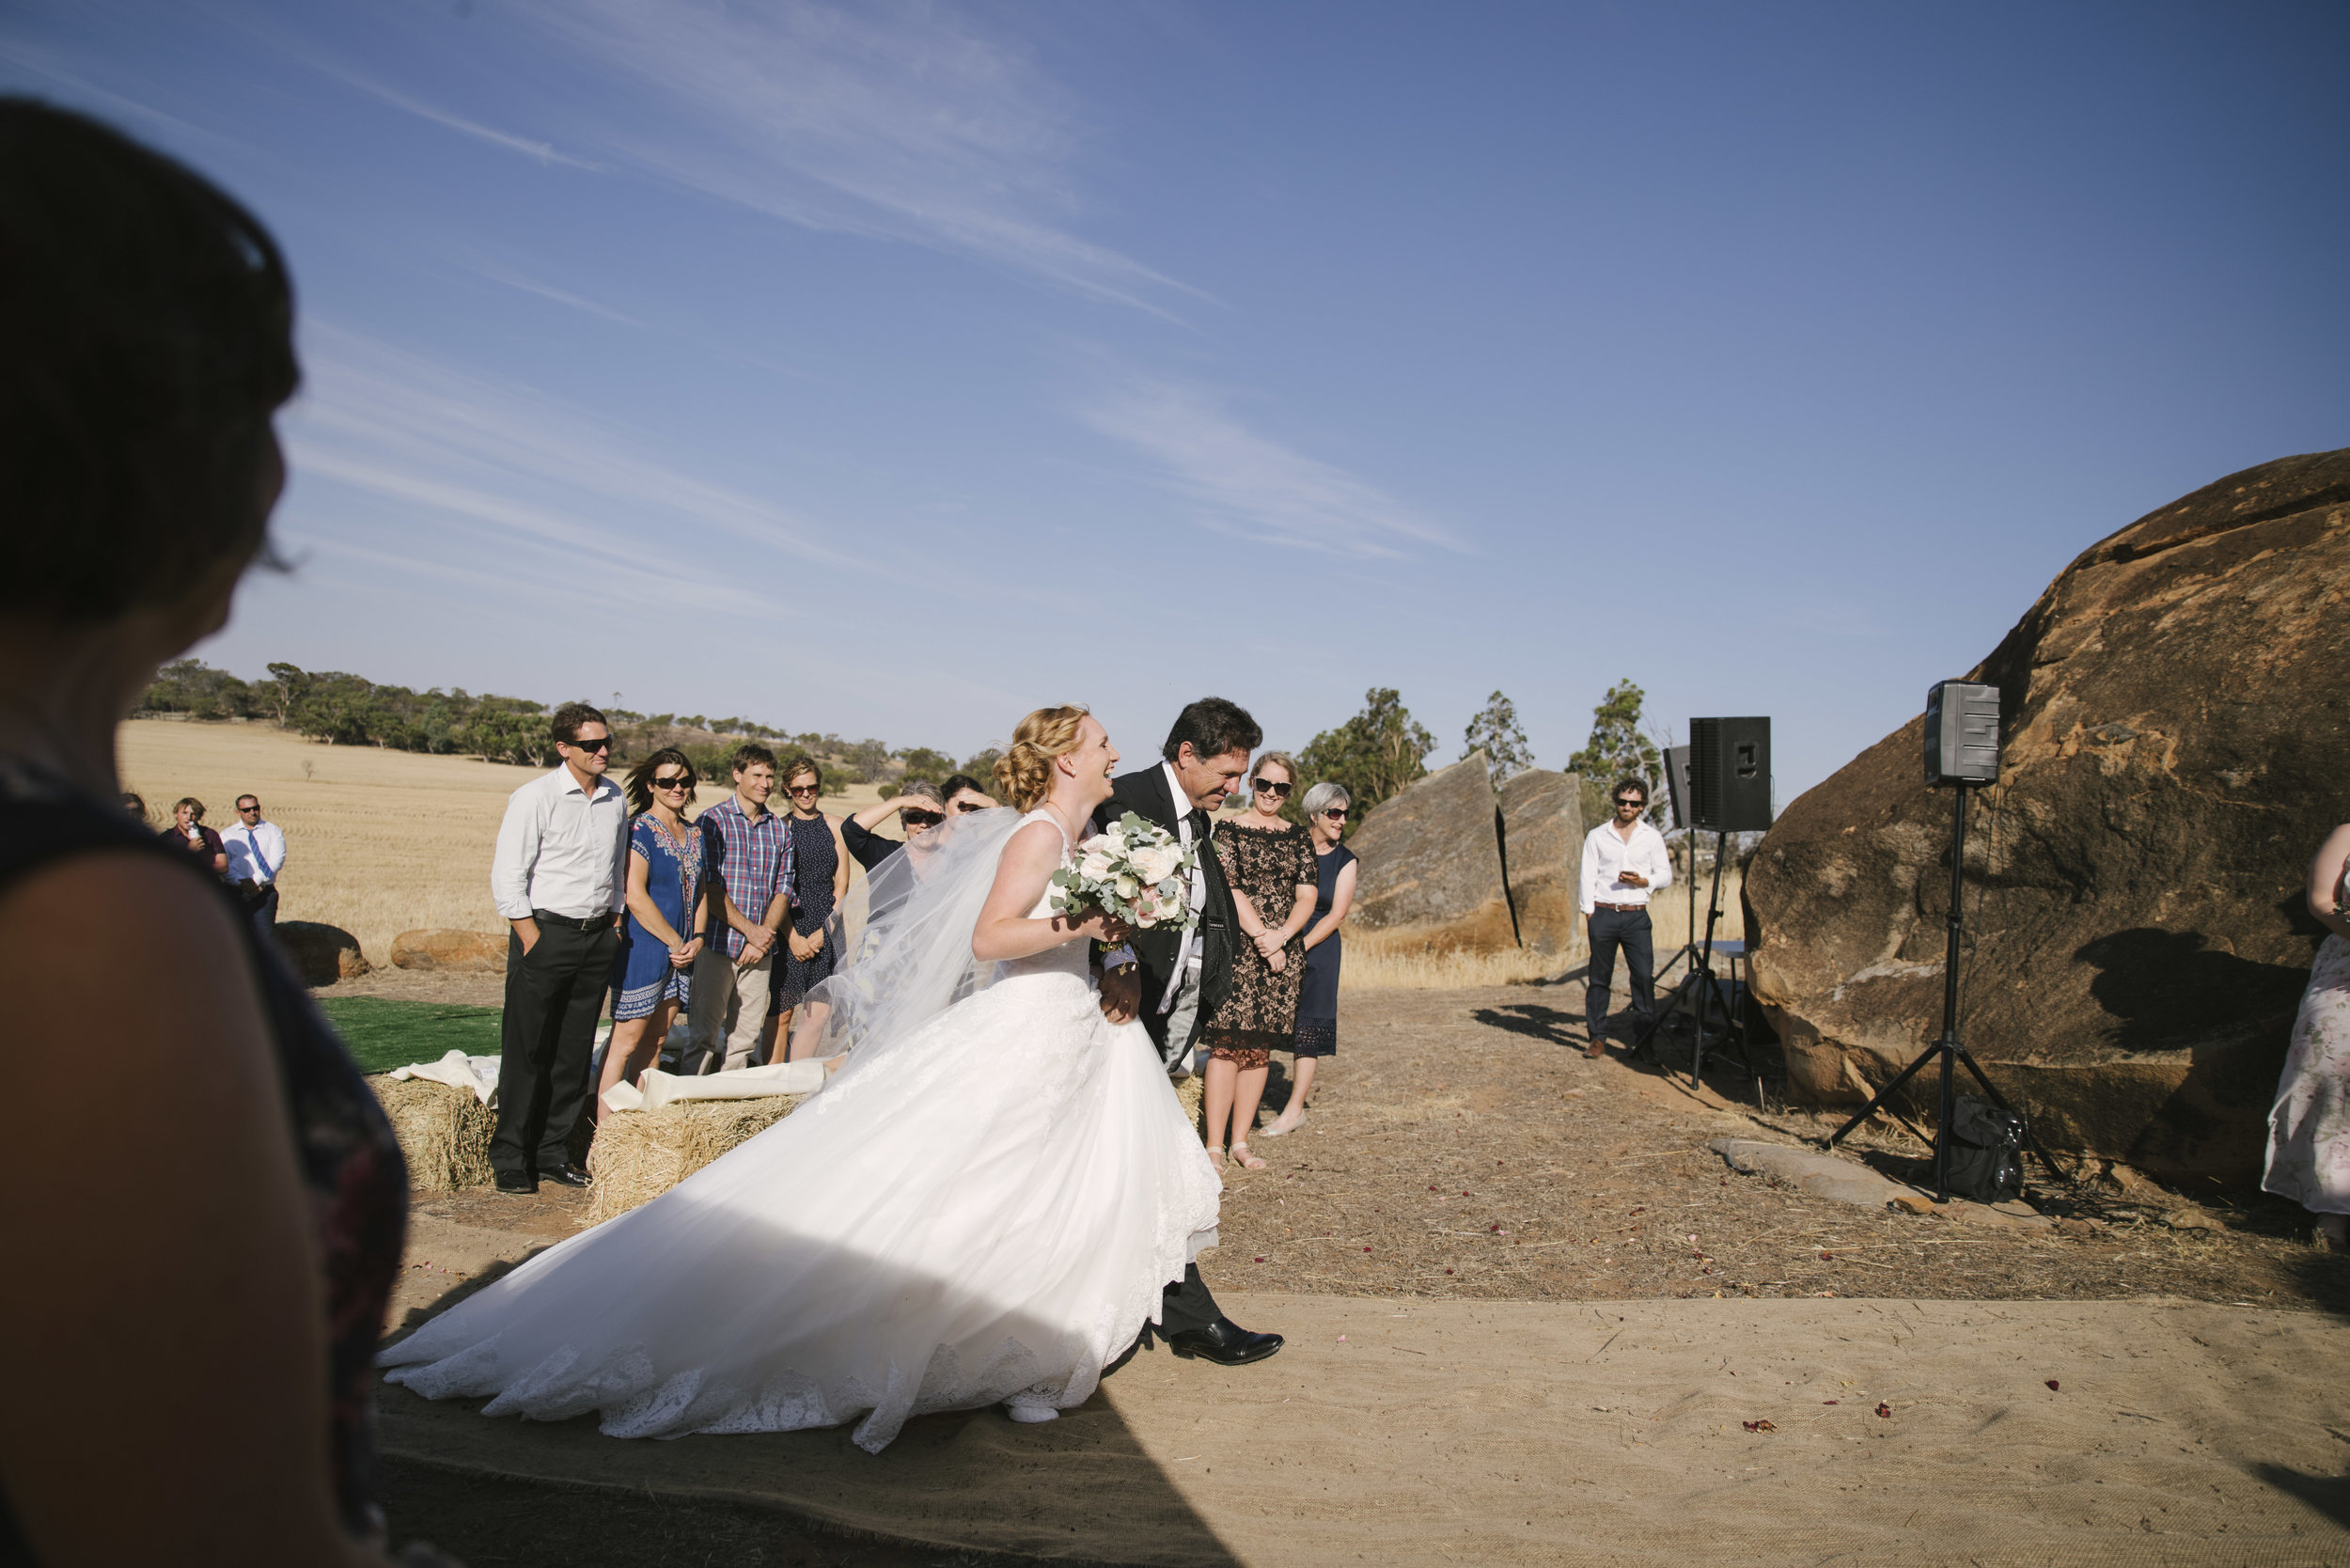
{"x": 1760, "y": 1426}
{"x": 1885, "y": 1410}
{"x": 1829, "y": 1402}
{"x": 2052, "y": 1385}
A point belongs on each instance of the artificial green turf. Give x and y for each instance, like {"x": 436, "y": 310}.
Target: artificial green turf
{"x": 383, "y": 1033}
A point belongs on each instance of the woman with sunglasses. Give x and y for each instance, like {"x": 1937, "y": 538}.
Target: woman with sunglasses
{"x": 820, "y": 880}
{"x": 919, "y": 806}
{"x": 1328, "y": 807}
{"x": 652, "y": 979}
{"x": 1270, "y": 863}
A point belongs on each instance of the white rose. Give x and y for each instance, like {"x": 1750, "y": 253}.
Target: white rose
{"x": 1126, "y": 886}
{"x": 1156, "y": 863}
{"x": 1096, "y": 867}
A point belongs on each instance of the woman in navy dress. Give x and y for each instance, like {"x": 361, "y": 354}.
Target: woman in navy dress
{"x": 652, "y": 979}
{"x": 820, "y": 879}
{"x": 1327, "y": 805}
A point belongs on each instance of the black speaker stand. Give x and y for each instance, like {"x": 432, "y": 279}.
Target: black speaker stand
{"x": 1700, "y": 986}
{"x": 1947, "y": 1049}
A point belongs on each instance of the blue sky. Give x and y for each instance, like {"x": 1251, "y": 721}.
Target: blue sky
{"x": 892, "y": 369}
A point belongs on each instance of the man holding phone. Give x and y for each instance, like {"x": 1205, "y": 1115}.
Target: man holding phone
{"x": 1624, "y": 864}
{"x": 559, "y": 881}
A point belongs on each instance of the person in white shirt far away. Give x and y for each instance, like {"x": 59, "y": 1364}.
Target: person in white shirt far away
{"x": 1625, "y": 863}
{"x": 256, "y": 852}
{"x": 558, "y": 880}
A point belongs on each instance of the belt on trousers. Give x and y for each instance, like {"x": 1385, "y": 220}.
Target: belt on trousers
{"x": 574, "y": 922}
{"x": 1619, "y": 908}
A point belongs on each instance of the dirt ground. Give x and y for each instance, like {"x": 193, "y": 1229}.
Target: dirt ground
{"x": 1464, "y": 1160}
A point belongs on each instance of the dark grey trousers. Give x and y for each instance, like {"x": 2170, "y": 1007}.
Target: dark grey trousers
{"x": 1624, "y": 929}
{"x": 554, "y": 995}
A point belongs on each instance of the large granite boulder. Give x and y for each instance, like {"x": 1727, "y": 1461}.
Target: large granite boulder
{"x": 1541, "y": 854}
{"x": 2176, "y": 720}
{"x": 464, "y": 952}
{"x": 321, "y": 953}
{"x": 1430, "y": 877}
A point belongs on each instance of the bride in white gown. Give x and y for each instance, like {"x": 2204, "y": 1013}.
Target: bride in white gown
{"x": 983, "y": 1205}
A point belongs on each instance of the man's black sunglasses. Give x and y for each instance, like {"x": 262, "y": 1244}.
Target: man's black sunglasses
{"x": 1263, "y": 787}
{"x": 601, "y": 743}
{"x": 921, "y": 818}
{"x": 1631, "y": 800}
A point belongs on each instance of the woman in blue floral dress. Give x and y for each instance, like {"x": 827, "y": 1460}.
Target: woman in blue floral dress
{"x": 652, "y": 979}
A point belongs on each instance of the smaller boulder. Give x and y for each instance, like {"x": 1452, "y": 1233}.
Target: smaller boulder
{"x": 1541, "y": 849}
{"x": 321, "y": 953}
{"x": 1431, "y": 857}
{"x": 464, "y": 952}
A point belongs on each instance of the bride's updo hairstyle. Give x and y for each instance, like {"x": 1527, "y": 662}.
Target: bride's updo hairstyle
{"x": 1024, "y": 773}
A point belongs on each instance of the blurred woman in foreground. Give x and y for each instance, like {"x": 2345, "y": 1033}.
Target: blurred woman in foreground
{"x": 205, "y": 1214}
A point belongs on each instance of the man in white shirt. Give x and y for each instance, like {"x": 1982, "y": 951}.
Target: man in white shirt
{"x": 1624, "y": 862}
{"x": 256, "y": 852}
{"x": 560, "y": 881}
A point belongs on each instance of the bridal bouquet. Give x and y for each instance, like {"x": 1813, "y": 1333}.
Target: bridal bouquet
{"x": 1136, "y": 870}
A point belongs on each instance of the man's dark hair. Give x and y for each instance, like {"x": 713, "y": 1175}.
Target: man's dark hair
{"x": 748, "y": 753}
{"x": 145, "y": 338}
{"x": 1213, "y": 727}
{"x": 569, "y": 717}
{"x": 957, "y": 782}
{"x": 1624, "y": 784}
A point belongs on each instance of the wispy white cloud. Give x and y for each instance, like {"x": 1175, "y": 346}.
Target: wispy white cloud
{"x": 512, "y": 279}
{"x": 491, "y": 478}
{"x": 1240, "y": 482}
{"x": 902, "y": 121}
{"x": 544, "y": 152}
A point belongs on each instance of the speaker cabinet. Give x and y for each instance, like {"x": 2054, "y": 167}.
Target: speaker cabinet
{"x": 1962, "y": 733}
{"x": 1730, "y": 774}
{"x": 1677, "y": 782}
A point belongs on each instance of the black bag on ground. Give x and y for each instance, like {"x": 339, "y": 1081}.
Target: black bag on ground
{"x": 1987, "y": 1151}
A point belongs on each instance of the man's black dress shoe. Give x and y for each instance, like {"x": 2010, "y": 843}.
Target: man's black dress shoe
{"x": 1225, "y": 1342}
{"x": 565, "y": 1176}
{"x": 522, "y": 1183}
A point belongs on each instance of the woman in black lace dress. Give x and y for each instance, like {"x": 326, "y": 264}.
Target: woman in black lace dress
{"x": 1270, "y": 865}
{"x": 205, "y": 1245}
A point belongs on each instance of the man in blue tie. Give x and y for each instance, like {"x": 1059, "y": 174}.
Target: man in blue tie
{"x": 256, "y": 852}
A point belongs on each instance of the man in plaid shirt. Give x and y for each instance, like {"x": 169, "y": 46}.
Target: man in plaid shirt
{"x": 748, "y": 851}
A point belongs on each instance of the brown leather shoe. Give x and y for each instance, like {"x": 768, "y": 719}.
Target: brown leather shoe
{"x": 1596, "y": 1049}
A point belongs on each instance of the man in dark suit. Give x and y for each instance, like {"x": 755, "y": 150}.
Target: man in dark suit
{"x": 1175, "y": 981}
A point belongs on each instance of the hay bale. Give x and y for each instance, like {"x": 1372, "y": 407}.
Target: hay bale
{"x": 444, "y": 1132}
{"x": 1192, "y": 1093}
{"x": 638, "y": 1156}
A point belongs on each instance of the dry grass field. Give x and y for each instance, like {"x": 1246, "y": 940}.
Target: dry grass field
{"x": 378, "y": 842}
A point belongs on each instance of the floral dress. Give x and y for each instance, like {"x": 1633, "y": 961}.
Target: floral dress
{"x": 642, "y": 975}
{"x": 2308, "y": 1131}
{"x": 1269, "y": 865}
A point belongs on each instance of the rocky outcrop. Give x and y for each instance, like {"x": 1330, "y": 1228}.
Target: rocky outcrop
{"x": 1541, "y": 853}
{"x": 321, "y": 953}
{"x": 1435, "y": 877}
{"x": 464, "y": 952}
{"x": 2176, "y": 716}
{"x": 1431, "y": 874}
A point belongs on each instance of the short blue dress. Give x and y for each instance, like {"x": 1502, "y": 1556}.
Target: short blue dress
{"x": 642, "y": 975}
{"x": 1318, "y": 994}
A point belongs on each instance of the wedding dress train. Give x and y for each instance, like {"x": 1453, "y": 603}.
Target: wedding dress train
{"x": 986, "y": 1208}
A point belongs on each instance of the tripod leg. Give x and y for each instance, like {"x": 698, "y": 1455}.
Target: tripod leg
{"x": 2000, "y": 1099}
{"x": 1878, "y": 1100}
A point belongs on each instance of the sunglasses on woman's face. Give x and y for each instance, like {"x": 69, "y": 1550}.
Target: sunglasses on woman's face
{"x": 1336, "y": 813}
{"x": 1266, "y": 787}
{"x": 921, "y": 818}
{"x": 674, "y": 781}
{"x": 805, "y": 789}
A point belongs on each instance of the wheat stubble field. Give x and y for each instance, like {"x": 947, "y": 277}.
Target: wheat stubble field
{"x": 378, "y": 842}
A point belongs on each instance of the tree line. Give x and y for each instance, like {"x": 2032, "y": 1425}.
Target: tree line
{"x": 1377, "y": 753}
